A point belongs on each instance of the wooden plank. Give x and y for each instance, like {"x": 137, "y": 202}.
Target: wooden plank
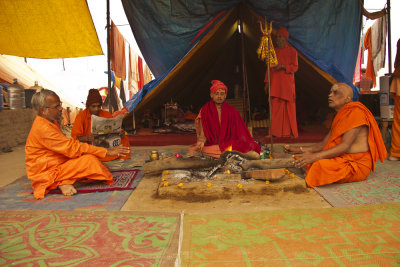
{"x": 270, "y": 175}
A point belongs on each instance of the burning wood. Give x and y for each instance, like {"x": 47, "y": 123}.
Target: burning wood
{"x": 232, "y": 161}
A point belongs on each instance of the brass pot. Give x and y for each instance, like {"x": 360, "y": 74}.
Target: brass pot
{"x": 154, "y": 155}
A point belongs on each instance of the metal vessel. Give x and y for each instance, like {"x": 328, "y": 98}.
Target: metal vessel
{"x": 16, "y": 95}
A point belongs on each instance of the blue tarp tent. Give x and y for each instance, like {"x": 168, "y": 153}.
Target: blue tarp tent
{"x": 189, "y": 43}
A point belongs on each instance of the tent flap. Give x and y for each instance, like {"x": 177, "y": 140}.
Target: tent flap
{"x": 326, "y": 35}
{"x": 327, "y": 32}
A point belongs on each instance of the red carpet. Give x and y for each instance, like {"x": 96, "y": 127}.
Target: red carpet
{"x": 145, "y": 137}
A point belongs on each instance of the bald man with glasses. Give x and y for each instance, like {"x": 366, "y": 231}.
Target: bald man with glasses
{"x": 55, "y": 161}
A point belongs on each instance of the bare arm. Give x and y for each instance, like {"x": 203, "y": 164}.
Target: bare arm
{"x": 85, "y": 139}
{"x": 201, "y": 138}
{"x": 313, "y": 148}
{"x": 347, "y": 140}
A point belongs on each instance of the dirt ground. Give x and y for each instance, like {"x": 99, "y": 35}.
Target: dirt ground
{"x": 143, "y": 198}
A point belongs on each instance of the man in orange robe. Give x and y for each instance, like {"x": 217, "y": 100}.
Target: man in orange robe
{"x": 53, "y": 160}
{"x": 82, "y": 130}
{"x": 395, "y": 93}
{"x": 349, "y": 151}
{"x": 219, "y": 127}
{"x": 283, "y": 95}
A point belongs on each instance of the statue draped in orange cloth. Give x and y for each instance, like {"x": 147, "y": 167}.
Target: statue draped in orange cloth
{"x": 349, "y": 151}
{"x": 220, "y": 127}
{"x": 81, "y": 129}
{"x": 53, "y": 160}
{"x": 283, "y": 95}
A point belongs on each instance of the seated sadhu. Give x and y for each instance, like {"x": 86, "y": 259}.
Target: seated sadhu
{"x": 220, "y": 127}
{"x": 82, "y": 130}
{"x": 349, "y": 151}
{"x": 53, "y": 160}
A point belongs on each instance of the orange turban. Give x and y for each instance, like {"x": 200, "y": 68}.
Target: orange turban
{"x": 282, "y": 31}
{"x": 217, "y": 85}
{"x": 93, "y": 97}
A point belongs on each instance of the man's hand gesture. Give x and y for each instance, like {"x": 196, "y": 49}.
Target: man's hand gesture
{"x": 118, "y": 151}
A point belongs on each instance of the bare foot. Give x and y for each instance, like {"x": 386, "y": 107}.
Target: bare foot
{"x": 393, "y": 158}
{"x": 67, "y": 189}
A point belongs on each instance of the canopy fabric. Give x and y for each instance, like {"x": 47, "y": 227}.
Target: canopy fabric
{"x": 326, "y": 32}
{"x": 216, "y": 54}
{"x": 47, "y": 29}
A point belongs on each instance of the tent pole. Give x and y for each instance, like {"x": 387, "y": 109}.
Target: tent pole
{"x": 389, "y": 37}
{"x": 269, "y": 102}
{"x": 247, "y": 114}
{"x": 110, "y": 92}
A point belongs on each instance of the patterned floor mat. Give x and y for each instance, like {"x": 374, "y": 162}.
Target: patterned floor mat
{"x": 18, "y": 196}
{"x": 75, "y": 238}
{"x": 382, "y": 186}
{"x": 351, "y": 236}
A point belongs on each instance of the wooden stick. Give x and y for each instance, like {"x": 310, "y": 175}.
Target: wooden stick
{"x": 268, "y": 163}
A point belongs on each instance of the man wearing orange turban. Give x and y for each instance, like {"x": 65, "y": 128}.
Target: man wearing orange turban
{"x": 283, "y": 95}
{"x": 220, "y": 127}
{"x": 81, "y": 129}
{"x": 349, "y": 151}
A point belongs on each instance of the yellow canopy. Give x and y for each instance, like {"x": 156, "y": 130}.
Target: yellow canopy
{"x": 47, "y": 29}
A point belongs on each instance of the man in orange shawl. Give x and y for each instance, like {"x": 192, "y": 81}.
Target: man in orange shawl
{"x": 81, "y": 129}
{"x": 283, "y": 95}
{"x": 395, "y": 93}
{"x": 349, "y": 151}
{"x": 53, "y": 160}
{"x": 220, "y": 127}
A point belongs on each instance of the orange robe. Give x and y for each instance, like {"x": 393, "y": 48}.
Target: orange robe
{"x": 370, "y": 73}
{"x": 348, "y": 167}
{"x": 395, "y": 92}
{"x": 283, "y": 94}
{"x": 52, "y": 159}
{"x": 395, "y": 144}
{"x": 82, "y": 127}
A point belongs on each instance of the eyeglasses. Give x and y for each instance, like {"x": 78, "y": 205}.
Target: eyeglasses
{"x": 59, "y": 106}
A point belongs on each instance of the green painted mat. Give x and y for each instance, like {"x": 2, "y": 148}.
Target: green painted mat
{"x": 72, "y": 238}
{"x": 352, "y": 236}
{"x": 382, "y": 186}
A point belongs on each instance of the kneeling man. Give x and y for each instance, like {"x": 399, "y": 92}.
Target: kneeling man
{"x": 53, "y": 160}
{"x": 349, "y": 151}
{"x": 219, "y": 126}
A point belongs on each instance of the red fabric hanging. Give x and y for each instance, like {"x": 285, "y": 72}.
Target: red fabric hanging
{"x": 117, "y": 49}
{"x": 140, "y": 73}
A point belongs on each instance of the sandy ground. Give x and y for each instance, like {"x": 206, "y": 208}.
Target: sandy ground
{"x": 12, "y": 165}
{"x": 143, "y": 198}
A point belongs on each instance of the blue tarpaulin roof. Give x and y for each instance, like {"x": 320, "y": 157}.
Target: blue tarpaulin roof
{"x": 326, "y": 32}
